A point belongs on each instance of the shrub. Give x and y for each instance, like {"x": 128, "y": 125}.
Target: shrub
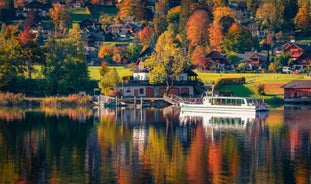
{"x": 261, "y": 89}
{"x": 226, "y": 81}
{"x": 11, "y": 98}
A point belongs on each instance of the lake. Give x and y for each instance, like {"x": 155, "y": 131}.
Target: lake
{"x": 154, "y": 146}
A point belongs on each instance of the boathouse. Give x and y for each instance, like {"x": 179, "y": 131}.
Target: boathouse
{"x": 297, "y": 91}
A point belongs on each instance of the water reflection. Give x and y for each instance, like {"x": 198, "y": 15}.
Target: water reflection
{"x": 154, "y": 146}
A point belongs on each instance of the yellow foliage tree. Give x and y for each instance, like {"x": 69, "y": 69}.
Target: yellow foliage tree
{"x": 221, "y": 12}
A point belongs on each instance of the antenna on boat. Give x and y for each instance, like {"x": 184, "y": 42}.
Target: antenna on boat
{"x": 210, "y": 92}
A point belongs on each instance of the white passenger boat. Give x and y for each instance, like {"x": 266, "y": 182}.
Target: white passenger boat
{"x": 226, "y": 105}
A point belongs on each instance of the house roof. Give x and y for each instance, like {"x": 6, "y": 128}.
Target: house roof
{"x": 262, "y": 55}
{"x": 296, "y": 84}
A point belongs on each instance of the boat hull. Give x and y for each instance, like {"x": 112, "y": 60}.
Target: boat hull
{"x": 217, "y": 109}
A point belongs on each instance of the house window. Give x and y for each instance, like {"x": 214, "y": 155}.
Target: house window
{"x": 141, "y": 91}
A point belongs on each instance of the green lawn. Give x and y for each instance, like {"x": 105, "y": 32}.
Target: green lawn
{"x": 94, "y": 72}
{"x": 250, "y": 77}
{"x": 96, "y": 11}
{"x": 78, "y": 15}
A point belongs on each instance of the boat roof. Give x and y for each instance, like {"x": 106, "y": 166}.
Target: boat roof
{"x": 230, "y": 97}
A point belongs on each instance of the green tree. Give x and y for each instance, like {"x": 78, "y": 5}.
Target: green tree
{"x": 283, "y": 59}
{"x": 274, "y": 66}
{"x": 109, "y": 80}
{"x": 133, "y": 51}
{"x": 167, "y": 62}
{"x": 160, "y": 18}
{"x": 238, "y": 40}
{"x": 66, "y": 68}
{"x": 187, "y": 8}
{"x": 252, "y": 6}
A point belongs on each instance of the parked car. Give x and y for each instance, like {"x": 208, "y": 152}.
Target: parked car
{"x": 287, "y": 69}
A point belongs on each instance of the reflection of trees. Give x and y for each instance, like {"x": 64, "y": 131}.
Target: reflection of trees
{"x": 42, "y": 148}
{"x": 166, "y": 166}
{"x": 10, "y": 114}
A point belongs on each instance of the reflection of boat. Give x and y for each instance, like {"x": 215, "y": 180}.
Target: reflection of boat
{"x": 219, "y": 120}
{"x": 226, "y": 105}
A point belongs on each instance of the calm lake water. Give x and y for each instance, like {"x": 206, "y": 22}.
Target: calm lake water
{"x": 154, "y": 146}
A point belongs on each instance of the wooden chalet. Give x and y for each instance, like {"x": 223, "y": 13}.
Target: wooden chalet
{"x": 87, "y": 23}
{"x": 256, "y": 60}
{"x": 297, "y": 91}
{"x": 215, "y": 60}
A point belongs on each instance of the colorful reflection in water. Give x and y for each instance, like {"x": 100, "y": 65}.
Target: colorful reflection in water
{"x": 154, "y": 146}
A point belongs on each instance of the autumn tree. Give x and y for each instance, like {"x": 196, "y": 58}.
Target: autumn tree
{"x": 221, "y": 12}
{"x": 238, "y": 40}
{"x": 303, "y": 20}
{"x": 106, "y": 53}
{"x": 267, "y": 14}
{"x": 215, "y": 37}
{"x": 30, "y": 52}
{"x": 109, "y": 79}
{"x": 10, "y": 65}
{"x": 220, "y": 3}
{"x": 197, "y": 28}
{"x": 132, "y": 8}
{"x": 168, "y": 60}
{"x": 146, "y": 36}
{"x": 160, "y": 18}
{"x": 61, "y": 19}
{"x": 174, "y": 14}
{"x": 119, "y": 55}
{"x": 197, "y": 54}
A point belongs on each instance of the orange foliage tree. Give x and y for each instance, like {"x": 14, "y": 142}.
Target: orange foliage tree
{"x": 303, "y": 20}
{"x": 197, "y": 28}
{"x": 215, "y": 37}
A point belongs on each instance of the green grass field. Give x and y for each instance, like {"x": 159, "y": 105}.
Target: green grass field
{"x": 78, "y": 15}
{"x": 94, "y": 72}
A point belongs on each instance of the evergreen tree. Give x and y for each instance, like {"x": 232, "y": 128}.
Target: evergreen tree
{"x": 160, "y": 19}
{"x": 185, "y": 13}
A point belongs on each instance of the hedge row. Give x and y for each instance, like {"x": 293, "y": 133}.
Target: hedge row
{"x": 225, "y": 81}
{"x": 43, "y": 88}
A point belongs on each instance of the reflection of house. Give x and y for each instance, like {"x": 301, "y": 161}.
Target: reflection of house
{"x": 139, "y": 86}
{"x": 297, "y": 91}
